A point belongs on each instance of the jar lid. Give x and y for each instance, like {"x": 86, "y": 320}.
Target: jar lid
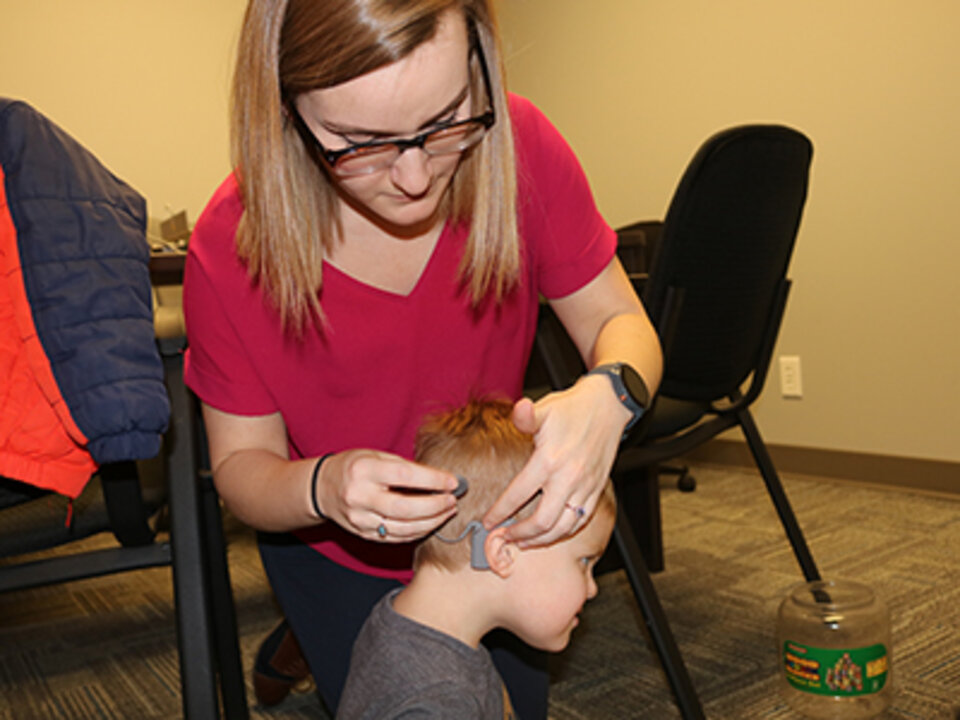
{"x": 832, "y": 595}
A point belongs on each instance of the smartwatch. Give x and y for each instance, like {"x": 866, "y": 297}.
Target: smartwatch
{"x": 629, "y": 387}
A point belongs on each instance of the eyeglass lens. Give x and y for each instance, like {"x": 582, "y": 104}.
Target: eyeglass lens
{"x": 443, "y": 141}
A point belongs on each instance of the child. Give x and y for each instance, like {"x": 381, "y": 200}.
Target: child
{"x": 419, "y": 653}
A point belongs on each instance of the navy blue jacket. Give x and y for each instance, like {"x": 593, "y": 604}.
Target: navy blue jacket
{"x": 84, "y": 260}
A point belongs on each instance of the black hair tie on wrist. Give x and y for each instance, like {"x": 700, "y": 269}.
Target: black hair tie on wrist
{"x": 313, "y": 486}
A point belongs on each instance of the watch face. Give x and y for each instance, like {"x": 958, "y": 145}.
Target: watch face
{"x": 635, "y": 385}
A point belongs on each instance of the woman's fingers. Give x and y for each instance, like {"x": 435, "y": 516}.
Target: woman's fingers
{"x": 528, "y": 481}
{"x": 553, "y": 517}
{"x": 404, "y": 475}
{"x": 401, "y": 504}
{"x": 404, "y": 513}
{"x": 525, "y": 416}
{"x": 575, "y": 446}
{"x": 548, "y": 524}
{"x": 387, "y": 498}
{"x": 392, "y": 530}
{"x": 521, "y": 489}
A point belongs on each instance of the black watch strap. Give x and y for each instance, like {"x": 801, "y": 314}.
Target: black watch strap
{"x": 629, "y": 387}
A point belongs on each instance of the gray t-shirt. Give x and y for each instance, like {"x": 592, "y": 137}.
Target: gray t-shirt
{"x": 402, "y": 669}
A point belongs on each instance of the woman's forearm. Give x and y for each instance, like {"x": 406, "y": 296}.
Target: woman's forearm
{"x": 630, "y": 338}
{"x": 266, "y": 491}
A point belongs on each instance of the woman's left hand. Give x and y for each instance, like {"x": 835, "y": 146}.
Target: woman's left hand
{"x": 576, "y": 434}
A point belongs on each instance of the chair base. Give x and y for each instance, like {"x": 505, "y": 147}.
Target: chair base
{"x": 81, "y": 566}
{"x": 685, "y": 481}
{"x": 656, "y": 620}
{"x": 638, "y": 494}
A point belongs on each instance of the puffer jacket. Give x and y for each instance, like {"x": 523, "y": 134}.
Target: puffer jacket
{"x": 81, "y": 380}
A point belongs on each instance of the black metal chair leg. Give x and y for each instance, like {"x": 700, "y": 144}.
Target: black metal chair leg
{"x": 225, "y": 619}
{"x": 198, "y": 679}
{"x": 638, "y": 493}
{"x": 779, "y": 496}
{"x": 656, "y": 620}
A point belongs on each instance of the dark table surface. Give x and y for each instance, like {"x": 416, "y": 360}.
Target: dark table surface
{"x": 166, "y": 268}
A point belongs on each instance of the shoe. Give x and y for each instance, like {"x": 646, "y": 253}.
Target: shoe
{"x": 280, "y": 667}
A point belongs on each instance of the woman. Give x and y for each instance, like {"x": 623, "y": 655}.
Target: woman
{"x": 379, "y": 254}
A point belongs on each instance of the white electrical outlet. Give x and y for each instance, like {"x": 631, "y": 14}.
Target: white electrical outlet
{"x": 791, "y": 383}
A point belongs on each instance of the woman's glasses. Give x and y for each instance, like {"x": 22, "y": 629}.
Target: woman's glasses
{"x": 445, "y": 139}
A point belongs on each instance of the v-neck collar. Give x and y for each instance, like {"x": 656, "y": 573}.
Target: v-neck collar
{"x": 436, "y": 253}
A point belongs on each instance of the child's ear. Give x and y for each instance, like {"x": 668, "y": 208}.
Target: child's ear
{"x": 500, "y": 552}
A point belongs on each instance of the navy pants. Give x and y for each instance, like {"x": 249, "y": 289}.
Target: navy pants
{"x": 326, "y": 604}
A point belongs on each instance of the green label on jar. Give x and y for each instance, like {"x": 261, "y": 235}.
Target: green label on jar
{"x": 822, "y": 671}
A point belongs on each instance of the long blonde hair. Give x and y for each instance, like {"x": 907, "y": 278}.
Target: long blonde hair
{"x": 291, "y": 218}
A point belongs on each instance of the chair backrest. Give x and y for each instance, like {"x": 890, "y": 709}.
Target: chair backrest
{"x": 724, "y": 250}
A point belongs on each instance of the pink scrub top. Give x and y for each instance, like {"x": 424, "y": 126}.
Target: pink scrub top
{"x": 387, "y": 360}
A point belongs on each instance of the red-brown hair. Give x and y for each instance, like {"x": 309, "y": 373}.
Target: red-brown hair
{"x": 479, "y": 442}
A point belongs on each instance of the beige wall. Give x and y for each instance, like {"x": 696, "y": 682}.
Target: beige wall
{"x": 636, "y": 86}
{"x": 142, "y": 83}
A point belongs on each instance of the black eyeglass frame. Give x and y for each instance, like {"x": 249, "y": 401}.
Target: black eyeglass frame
{"x": 487, "y": 119}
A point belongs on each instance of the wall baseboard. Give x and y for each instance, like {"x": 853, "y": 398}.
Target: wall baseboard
{"x": 929, "y": 476}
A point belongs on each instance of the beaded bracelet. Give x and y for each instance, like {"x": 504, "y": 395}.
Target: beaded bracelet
{"x": 313, "y": 486}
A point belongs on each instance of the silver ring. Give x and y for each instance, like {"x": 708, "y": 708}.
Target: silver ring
{"x": 382, "y": 530}
{"x": 578, "y": 510}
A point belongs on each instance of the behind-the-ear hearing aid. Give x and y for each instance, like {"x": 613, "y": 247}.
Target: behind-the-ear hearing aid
{"x": 475, "y": 529}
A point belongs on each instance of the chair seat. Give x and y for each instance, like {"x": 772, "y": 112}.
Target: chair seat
{"x": 35, "y": 520}
{"x": 13, "y": 492}
{"x": 670, "y": 416}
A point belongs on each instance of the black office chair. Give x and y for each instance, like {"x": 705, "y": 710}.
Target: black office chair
{"x": 637, "y": 247}
{"x": 61, "y": 209}
{"x": 161, "y": 514}
{"x": 716, "y": 292}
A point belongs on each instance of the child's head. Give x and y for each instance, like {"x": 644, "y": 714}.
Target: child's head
{"x": 544, "y": 587}
{"x": 547, "y": 586}
{"x": 480, "y": 443}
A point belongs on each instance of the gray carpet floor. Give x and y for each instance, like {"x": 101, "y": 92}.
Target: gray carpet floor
{"x": 105, "y": 648}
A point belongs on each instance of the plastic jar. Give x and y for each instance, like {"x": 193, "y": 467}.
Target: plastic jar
{"x": 834, "y": 644}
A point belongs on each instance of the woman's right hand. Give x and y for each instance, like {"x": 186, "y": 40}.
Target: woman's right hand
{"x": 366, "y": 490}
{"x": 360, "y": 490}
